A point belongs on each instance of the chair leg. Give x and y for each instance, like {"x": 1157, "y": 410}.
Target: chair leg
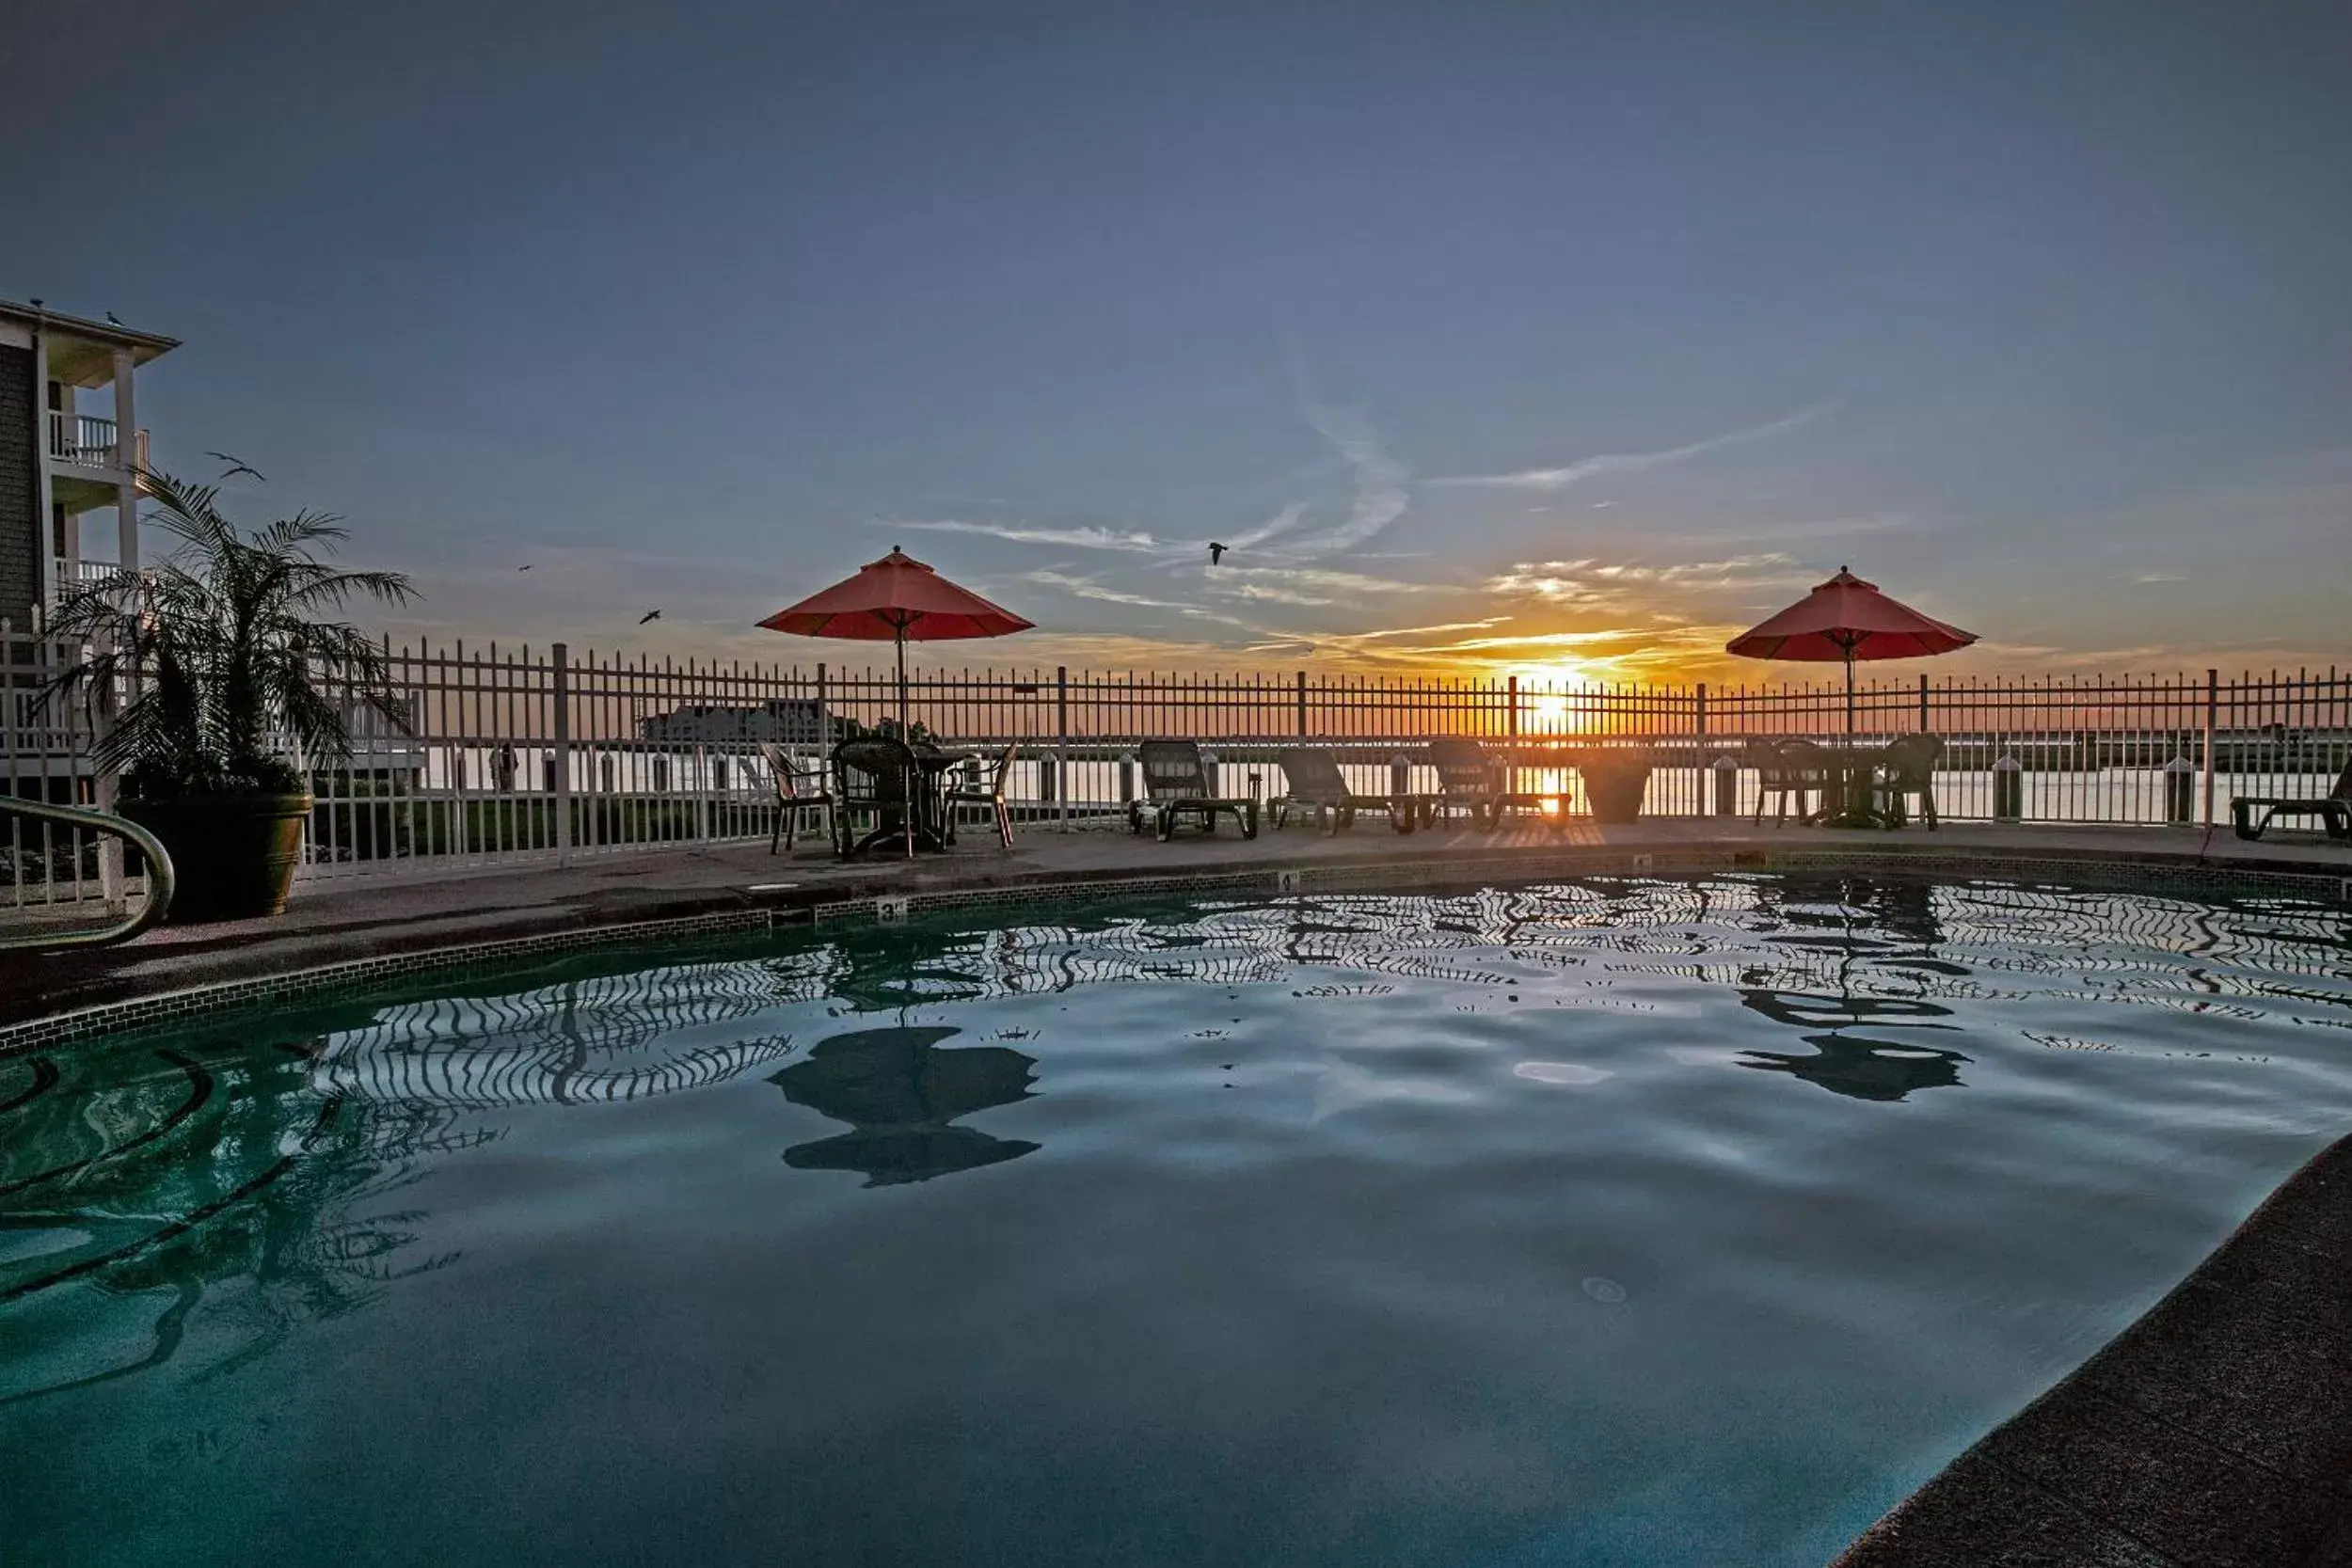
{"x": 1004, "y": 821}
{"x": 783, "y": 816}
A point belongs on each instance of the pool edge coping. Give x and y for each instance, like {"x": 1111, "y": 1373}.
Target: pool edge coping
{"x": 2215, "y": 1430}
{"x": 728, "y": 911}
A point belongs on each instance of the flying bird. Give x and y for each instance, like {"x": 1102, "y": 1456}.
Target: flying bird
{"x": 650, "y": 615}
{"x": 526, "y": 566}
{"x": 1216, "y": 552}
{"x": 237, "y": 466}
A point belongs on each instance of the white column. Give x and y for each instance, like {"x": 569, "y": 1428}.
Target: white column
{"x": 46, "y": 563}
{"x": 126, "y": 457}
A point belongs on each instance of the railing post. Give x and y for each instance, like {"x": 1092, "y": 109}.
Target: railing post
{"x": 560, "y": 656}
{"x": 2213, "y": 702}
{"x": 1924, "y": 728}
{"x": 1061, "y": 740}
{"x": 1302, "y": 704}
{"x": 1515, "y": 708}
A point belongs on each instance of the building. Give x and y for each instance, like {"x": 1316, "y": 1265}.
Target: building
{"x": 70, "y": 451}
{"x": 786, "y": 720}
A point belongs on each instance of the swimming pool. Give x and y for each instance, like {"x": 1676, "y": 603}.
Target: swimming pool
{"x": 1606, "y": 1221}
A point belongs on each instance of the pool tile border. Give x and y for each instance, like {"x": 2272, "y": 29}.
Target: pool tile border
{"x": 301, "y": 985}
{"x": 1522, "y": 864}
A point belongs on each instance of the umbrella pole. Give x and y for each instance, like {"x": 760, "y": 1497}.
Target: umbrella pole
{"x": 1848, "y": 693}
{"x": 904, "y": 735}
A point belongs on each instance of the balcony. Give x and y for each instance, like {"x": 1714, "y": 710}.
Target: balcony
{"x": 72, "y": 574}
{"x": 89, "y": 442}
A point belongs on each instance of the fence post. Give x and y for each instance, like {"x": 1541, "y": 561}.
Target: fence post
{"x": 563, "y": 699}
{"x": 2213, "y": 701}
{"x": 1515, "y": 708}
{"x": 1302, "y": 704}
{"x": 1924, "y": 728}
{"x": 1061, "y": 740}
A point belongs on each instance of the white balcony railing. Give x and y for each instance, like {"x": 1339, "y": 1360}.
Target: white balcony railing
{"x": 72, "y": 574}
{"x": 84, "y": 441}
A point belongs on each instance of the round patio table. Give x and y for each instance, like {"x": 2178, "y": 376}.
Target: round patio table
{"x": 1846, "y": 803}
{"x": 929, "y": 790}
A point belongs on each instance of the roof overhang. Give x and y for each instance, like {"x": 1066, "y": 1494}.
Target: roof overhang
{"x": 82, "y": 351}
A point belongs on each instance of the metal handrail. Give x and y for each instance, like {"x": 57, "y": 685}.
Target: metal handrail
{"x": 159, "y": 876}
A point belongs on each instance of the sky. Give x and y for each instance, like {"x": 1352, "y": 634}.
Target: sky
{"x": 1563, "y": 340}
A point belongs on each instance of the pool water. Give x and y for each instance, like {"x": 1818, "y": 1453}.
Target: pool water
{"x": 1615, "y": 1221}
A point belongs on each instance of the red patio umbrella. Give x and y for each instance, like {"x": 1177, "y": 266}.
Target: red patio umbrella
{"x": 897, "y": 597}
{"x": 1847, "y": 619}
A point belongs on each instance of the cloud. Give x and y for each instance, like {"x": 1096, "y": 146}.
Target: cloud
{"x": 2159, "y": 577}
{"x": 1088, "y": 537}
{"x": 1090, "y": 587}
{"x": 1290, "y": 584}
{"x": 1280, "y": 523}
{"x": 1381, "y": 497}
{"x": 1631, "y": 462}
{"x": 1819, "y": 528}
{"x": 1589, "y": 584}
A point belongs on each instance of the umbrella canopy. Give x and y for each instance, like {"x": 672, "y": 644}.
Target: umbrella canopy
{"x": 1846, "y": 619}
{"x": 897, "y": 599}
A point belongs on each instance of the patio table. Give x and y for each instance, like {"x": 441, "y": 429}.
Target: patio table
{"x": 932, "y": 765}
{"x": 1847, "y": 802}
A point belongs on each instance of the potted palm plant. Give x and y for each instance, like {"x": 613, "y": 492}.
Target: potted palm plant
{"x": 229, "y": 654}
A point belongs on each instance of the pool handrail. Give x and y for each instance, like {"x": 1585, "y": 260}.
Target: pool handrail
{"x": 159, "y": 875}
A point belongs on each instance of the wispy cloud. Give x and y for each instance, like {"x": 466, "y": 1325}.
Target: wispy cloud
{"x": 1274, "y": 527}
{"x": 1589, "y": 584}
{"x": 1367, "y": 643}
{"x": 1303, "y": 585}
{"x": 1381, "y": 497}
{"x": 2147, "y": 577}
{"x": 1814, "y": 527}
{"x": 1633, "y": 462}
{"x": 1091, "y": 588}
{"x": 1087, "y": 537}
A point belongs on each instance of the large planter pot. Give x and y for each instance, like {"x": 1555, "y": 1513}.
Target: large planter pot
{"x": 1615, "y": 786}
{"x": 232, "y": 855}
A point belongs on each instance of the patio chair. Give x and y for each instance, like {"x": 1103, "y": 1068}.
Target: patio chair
{"x": 1789, "y": 768}
{"x": 1907, "y": 767}
{"x": 798, "y": 789}
{"x": 1311, "y": 778}
{"x": 2333, "y": 808}
{"x": 1176, "y": 784}
{"x": 1468, "y": 777}
{"x": 988, "y": 792}
{"x": 875, "y": 773}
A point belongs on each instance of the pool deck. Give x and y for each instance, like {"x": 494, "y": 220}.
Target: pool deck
{"x": 2218, "y": 1429}
{"x": 2215, "y": 1430}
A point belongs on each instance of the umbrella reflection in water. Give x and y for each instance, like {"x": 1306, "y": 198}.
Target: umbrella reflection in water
{"x": 1857, "y": 1065}
{"x": 903, "y": 1094}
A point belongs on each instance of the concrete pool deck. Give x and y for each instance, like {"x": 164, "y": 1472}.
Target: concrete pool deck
{"x": 2217, "y": 1429}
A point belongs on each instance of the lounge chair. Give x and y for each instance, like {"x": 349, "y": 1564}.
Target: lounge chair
{"x": 1176, "y": 784}
{"x": 798, "y": 789}
{"x": 2333, "y": 808}
{"x": 1312, "y": 779}
{"x": 1468, "y": 780}
{"x": 988, "y": 792}
{"x": 1907, "y": 767}
{"x": 1789, "y": 768}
